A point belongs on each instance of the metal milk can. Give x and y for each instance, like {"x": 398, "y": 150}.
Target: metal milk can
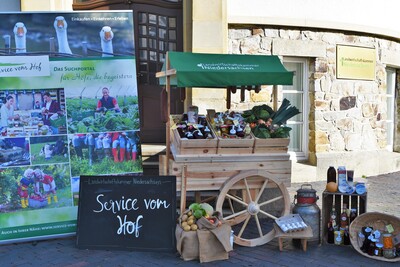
{"x": 307, "y": 208}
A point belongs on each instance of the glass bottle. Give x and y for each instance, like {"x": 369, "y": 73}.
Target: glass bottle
{"x": 240, "y": 132}
{"x": 232, "y": 131}
{"x": 333, "y": 218}
{"x": 344, "y": 219}
{"x": 331, "y": 233}
{"x": 346, "y": 237}
{"x": 371, "y": 248}
{"x": 197, "y": 134}
{"x": 189, "y": 135}
{"x": 331, "y": 174}
{"x": 207, "y": 133}
{"x": 247, "y": 129}
{"x": 353, "y": 215}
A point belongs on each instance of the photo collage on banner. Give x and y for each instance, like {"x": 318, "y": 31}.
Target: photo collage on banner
{"x": 69, "y": 107}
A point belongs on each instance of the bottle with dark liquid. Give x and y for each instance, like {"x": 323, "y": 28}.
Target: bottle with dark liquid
{"x": 344, "y": 218}
{"x": 331, "y": 175}
{"x": 346, "y": 237}
{"x": 353, "y": 215}
{"x": 331, "y": 233}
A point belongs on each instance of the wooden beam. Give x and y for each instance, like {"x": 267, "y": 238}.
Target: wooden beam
{"x": 165, "y": 73}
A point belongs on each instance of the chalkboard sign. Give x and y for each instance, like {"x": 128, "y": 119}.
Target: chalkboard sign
{"x": 127, "y": 213}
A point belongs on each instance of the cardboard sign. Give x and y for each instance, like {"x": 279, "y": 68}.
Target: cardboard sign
{"x": 127, "y": 213}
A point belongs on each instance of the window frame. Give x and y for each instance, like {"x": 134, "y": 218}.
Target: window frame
{"x": 303, "y": 154}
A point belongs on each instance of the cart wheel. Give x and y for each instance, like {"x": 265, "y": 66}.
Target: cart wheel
{"x": 250, "y": 202}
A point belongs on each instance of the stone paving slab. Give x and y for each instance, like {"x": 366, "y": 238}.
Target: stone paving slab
{"x": 383, "y": 196}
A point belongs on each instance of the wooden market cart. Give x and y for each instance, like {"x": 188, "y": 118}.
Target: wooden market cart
{"x": 250, "y": 174}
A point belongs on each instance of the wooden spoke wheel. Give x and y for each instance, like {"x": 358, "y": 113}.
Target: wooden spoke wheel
{"x": 250, "y": 202}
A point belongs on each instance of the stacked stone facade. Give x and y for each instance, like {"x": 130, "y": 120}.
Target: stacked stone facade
{"x": 345, "y": 116}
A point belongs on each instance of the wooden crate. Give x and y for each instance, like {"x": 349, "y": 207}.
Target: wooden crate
{"x": 210, "y": 174}
{"x": 270, "y": 145}
{"x": 235, "y": 145}
{"x": 184, "y": 146}
{"x": 353, "y": 201}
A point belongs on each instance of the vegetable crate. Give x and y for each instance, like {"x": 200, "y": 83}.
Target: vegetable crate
{"x": 235, "y": 145}
{"x": 182, "y": 147}
{"x": 270, "y": 145}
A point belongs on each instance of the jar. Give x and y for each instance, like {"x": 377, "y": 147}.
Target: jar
{"x": 389, "y": 253}
{"x": 338, "y": 238}
{"x": 387, "y": 241}
{"x": 360, "y": 188}
{"x": 360, "y": 239}
{"x": 378, "y": 249}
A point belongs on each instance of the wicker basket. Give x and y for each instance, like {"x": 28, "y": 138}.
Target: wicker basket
{"x": 378, "y": 221}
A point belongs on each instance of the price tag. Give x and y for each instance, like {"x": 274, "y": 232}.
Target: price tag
{"x": 390, "y": 228}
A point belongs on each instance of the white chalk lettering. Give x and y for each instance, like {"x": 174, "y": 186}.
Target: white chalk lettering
{"x": 155, "y": 204}
{"x": 129, "y": 227}
{"x": 116, "y": 205}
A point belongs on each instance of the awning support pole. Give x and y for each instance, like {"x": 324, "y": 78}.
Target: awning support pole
{"x": 275, "y": 97}
{"x": 168, "y": 124}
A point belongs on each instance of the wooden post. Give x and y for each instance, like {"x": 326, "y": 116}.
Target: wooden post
{"x": 168, "y": 126}
{"x": 275, "y": 96}
{"x": 183, "y": 189}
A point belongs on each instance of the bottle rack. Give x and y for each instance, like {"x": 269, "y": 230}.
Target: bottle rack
{"x": 329, "y": 199}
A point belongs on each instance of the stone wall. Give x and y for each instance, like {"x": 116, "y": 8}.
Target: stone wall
{"x": 345, "y": 116}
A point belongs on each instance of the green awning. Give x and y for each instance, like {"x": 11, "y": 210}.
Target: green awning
{"x": 222, "y": 70}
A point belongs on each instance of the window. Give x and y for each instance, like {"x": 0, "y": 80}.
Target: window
{"x": 157, "y": 35}
{"x": 297, "y": 94}
{"x": 390, "y": 100}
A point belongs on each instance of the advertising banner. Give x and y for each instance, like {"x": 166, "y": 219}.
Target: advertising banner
{"x": 69, "y": 107}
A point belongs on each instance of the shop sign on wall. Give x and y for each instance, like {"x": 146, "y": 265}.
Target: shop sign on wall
{"x": 354, "y": 62}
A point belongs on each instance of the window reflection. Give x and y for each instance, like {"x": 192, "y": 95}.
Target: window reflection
{"x": 172, "y": 34}
{"x": 152, "y": 19}
{"x": 162, "y": 21}
{"x": 172, "y": 22}
{"x": 142, "y": 18}
{"x": 162, "y": 33}
{"x": 152, "y": 31}
{"x": 142, "y": 42}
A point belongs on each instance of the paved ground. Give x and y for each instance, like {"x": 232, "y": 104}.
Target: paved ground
{"x": 383, "y": 196}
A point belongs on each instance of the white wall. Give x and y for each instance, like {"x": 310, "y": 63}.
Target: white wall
{"x": 370, "y": 16}
{"x": 46, "y": 5}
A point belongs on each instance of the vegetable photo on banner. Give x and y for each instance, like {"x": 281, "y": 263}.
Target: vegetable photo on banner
{"x": 267, "y": 123}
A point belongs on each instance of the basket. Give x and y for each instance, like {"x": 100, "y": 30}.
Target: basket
{"x": 378, "y": 221}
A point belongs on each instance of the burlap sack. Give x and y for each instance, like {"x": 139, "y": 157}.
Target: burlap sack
{"x": 187, "y": 244}
{"x": 214, "y": 243}
{"x": 209, "y": 243}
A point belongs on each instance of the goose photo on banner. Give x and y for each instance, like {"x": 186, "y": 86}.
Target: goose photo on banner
{"x": 72, "y": 34}
{"x": 20, "y": 37}
{"x": 60, "y": 25}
